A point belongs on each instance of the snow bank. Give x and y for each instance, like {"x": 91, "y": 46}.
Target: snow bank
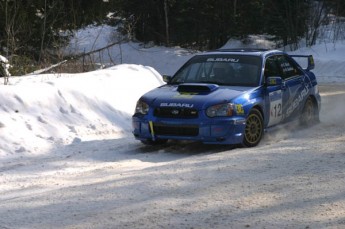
{"x": 40, "y": 111}
{"x": 329, "y": 61}
{"x": 165, "y": 60}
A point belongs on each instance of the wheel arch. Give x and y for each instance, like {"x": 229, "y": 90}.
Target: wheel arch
{"x": 316, "y": 105}
{"x": 260, "y": 109}
{"x": 314, "y": 100}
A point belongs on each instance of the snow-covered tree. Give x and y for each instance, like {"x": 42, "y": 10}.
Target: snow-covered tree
{"x": 4, "y": 66}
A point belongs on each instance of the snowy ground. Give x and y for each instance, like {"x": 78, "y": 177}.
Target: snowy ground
{"x": 293, "y": 179}
{"x": 68, "y": 159}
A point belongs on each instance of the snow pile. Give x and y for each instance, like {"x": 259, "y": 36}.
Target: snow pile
{"x": 329, "y": 57}
{"x": 329, "y": 61}
{"x": 164, "y": 60}
{"x": 252, "y": 41}
{"x": 38, "y": 112}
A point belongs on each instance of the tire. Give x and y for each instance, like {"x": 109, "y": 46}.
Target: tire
{"x": 150, "y": 142}
{"x": 254, "y": 129}
{"x": 309, "y": 114}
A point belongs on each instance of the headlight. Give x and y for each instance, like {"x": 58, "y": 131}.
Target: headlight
{"x": 141, "y": 108}
{"x": 220, "y": 110}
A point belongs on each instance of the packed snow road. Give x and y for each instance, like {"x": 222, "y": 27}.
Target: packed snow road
{"x": 293, "y": 179}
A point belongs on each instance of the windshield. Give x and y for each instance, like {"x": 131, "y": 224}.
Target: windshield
{"x": 230, "y": 70}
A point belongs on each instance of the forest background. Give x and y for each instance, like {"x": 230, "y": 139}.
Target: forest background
{"x": 33, "y": 32}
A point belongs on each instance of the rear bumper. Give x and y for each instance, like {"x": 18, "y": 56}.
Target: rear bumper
{"x": 211, "y": 131}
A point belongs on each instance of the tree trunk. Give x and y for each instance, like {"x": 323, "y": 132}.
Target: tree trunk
{"x": 166, "y": 22}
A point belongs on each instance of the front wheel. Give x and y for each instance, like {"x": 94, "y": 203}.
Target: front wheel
{"x": 254, "y": 129}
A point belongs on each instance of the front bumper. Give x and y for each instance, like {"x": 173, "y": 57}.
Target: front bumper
{"x": 211, "y": 131}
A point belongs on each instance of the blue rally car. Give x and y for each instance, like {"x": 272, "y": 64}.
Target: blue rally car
{"x": 229, "y": 97}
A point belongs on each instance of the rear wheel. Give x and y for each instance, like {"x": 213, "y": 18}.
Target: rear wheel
{"x": 309, "y": 113}
{"x": 254, "y": 129}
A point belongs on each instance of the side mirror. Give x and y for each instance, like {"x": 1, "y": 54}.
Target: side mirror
{"x": 167, "y": 78}
{"x": 274, "y": 81}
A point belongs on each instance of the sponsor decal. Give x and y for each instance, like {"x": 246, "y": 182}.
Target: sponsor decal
{"x": 273, "y": 82}
{"x": 239, "y": 109}
{"x": 296, "y": 102}
{"x": 286, "y": 67}
{"x": 220, "y": 59}
{"x": 182, "y": 105}
{"x": 275, "y": 95}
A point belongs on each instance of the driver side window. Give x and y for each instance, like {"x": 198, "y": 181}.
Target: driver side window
{"x": 271, "y": 67}
{"x": 280, "y": 65}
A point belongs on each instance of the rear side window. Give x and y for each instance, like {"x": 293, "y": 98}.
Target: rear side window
{"x": 280, "y": 65}
{"x": 288, "y": 68}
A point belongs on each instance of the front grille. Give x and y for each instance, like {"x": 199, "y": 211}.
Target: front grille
{"x": 172, "y": 130}
{"x": 170, "y": 112}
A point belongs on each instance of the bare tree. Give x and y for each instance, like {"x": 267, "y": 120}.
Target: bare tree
{"x": 44, "y": 28}
{"x": 11, "y": 27}
{"x": 317, "y": 16}
{"x": 166, "y": 22}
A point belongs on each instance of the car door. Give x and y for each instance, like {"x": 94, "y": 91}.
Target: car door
{"x": 274, "y": 94}
{"x": 294, "y": 87}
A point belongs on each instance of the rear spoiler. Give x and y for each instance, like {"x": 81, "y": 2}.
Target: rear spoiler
{"x": 311, "y": 63}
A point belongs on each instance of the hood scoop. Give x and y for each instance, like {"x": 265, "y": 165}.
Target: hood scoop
{"x": 197, "y": 87}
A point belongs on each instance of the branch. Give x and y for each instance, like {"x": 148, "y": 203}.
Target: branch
{"x": 47, "y": 68}
{"x": 94, "y": 51}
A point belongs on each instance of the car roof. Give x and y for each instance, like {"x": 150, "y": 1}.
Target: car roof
{"x": 242, "y": 51}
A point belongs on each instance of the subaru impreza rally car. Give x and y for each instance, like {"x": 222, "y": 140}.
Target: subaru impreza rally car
{"x": 229, "y": 97}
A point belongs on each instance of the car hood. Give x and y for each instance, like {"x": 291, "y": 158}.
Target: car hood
{"x": 196, "y": 96}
